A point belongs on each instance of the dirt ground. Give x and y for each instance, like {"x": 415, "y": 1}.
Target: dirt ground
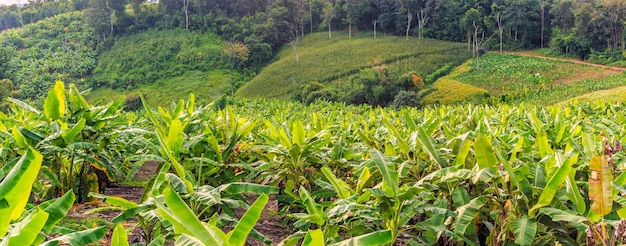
{"x": 269, "y": 224}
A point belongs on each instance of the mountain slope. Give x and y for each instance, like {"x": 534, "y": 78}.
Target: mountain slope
{"x": 332, "y": 62}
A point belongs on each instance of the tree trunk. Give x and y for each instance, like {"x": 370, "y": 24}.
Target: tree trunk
{"x": 374, "y": 22}
{"x": 111, "y": 21}
{"x": 421, "y": 21}
{"x": 311, "y": 14}
{"x": 294, "y": 45}
{"x": 500, "y": 29}
{"x": 330, "y": 35}
{"x": 475, "y": 51}
{"x": 409, "y": 18}
{"x": 350, "y": 29}
{"x": 232, "y": 80}
{"x": 186, "y": 8}
{"x": 543, "y": 18}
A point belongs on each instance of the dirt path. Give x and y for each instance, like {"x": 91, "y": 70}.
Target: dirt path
{"x": 531, "y": 53}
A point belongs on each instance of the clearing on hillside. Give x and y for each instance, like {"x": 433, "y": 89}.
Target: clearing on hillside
{"x": 164, "y": 66}
{"x": 332, "y": 62}
{"x": 514, "y": 78}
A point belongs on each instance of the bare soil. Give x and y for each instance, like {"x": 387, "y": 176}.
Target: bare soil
{"x": 269, "y": 224}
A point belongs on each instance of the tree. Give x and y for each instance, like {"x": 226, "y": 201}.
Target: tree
{"x": 405, "y": 6}
{"x": 294, "y": 44}
{"x": 422, "y": 18}
{"x": 543, "y": 20}
{"x": 562, "y": 13}
{"x": 374, "y": 22}
{"x": 5, "y": 58}
{"x": 616, "y": 10}
{"x": 386, "y": 9}
{"x": 496, "y": 14}
{"x": 236, "y": 52}
{"x": 329, "y": 13}
{"x": 470, "y": 20}
{"x": 353, "y": 12}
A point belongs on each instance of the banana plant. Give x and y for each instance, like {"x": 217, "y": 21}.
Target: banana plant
{"x": 189, "y": 230}
{"x": 293, "y": 152}
{"x": 27, "y": 227}
{"x": 79, "y": 141}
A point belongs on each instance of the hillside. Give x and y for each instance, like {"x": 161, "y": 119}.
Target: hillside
{"x": 164, "y": 66}
{"x": 332, "y": 62}
{"x": 514, "y": 78}
{"x": 57, "y": 48}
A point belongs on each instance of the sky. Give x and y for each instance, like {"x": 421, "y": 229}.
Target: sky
{"x": 9, "y": 2}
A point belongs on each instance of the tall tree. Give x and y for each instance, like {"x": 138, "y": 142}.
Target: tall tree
{"x": 616, "y": 10}
{"x": 236, "y": 52}
{"x": 422, "y": 18}
{"x": 562, "y": 13}
{"x": 353, "y": 10}
{"x": 497, "y": 18}
{"x": 329, "y": 14}
{"x": 470, "y": 21}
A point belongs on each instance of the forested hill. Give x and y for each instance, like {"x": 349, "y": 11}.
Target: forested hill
{"x": 581, "y": 28}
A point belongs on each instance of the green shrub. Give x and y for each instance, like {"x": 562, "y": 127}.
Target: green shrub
{"x": 406, "y": 99}
{"x": 132, "y": 102}
{"x": 443, "y": 71}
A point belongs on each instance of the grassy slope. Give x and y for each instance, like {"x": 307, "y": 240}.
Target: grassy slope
{"x": 164, "y": 66}
{"x": 534, "y": 80}
{"x": 333, "y": 61}
{"x": 612, "y": 95}
{"x": 449, "y": 90}
{"x": 55, "y": 48}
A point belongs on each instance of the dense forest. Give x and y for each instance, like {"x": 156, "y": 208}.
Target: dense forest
{"x": 571, "y": 26}
{"x": 576, "y": 26}
{"x": 579, "y": 28}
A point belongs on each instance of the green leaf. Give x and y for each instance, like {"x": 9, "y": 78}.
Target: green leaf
{"x": 314, "y": 238}
{"x": 461, "y": 156}
{"x": 466, "y": 214}
{"x": 520, "y": 181}
{"x": 23, "y": 105}
{"x": 186, "y": 240}
{"x": 54, "y": 104}
{"x": 363, "y": 178}
{"x": 119, "y": 237}
{"x": 20, "y": 140}
{"x": 16, "y": 186}
{"x": 26, "y": 231}
{"x": 552, "y": 186}
{"x": 374, "y": 238}
{"x": 315, "y": 210}
{"x": 237, "y": 236}
{"x": 297, "y": 133}
{"x": 185, "y": 221}
{"x": 429, "y": 146}
{"x": 524, "y": 229}
{"x": 545, "y": 150}
{"x": 580, "y": 222}
{"x": 191, "y": 103}
{"x": 58, "y": 210}
{"x": 77, "y": 100}
{"x": 342, "y": 189}
{"x": 175, "y": 137}
{"x": 484, "y": 153}
{"x": 240, "y": 187}
{"x": 79, "y": 238}
{"x": 387, "y": 170}
{"x": 600, "y": 186}
{"x": 69, "y": 134}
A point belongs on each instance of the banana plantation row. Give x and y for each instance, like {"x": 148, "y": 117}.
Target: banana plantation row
{"x": 342, "y": 175}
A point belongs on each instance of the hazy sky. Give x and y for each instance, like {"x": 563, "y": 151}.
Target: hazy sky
{"x": 9, "y": 2}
